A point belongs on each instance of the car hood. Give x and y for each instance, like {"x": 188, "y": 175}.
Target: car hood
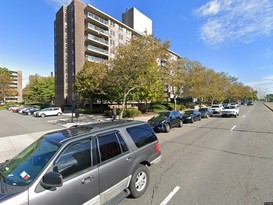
{"x": 157, "y": 119}
{"x": 187, "y": 115}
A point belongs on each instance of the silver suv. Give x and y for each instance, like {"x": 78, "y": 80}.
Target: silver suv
{"x": 98, "y": 163}
{"x": 50, "y": 111}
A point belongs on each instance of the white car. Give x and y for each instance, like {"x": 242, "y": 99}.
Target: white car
{"x": 50, "y": 111}
{"x": 217, "y": 108}
{"x": 230, "y": 111}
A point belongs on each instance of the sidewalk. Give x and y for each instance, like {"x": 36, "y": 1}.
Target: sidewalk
{"x": 12, "y": 145}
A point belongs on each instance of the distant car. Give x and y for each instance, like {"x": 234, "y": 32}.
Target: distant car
{"x": 230, "y": 111}
{"x": 206, "y": 112}
{"x": 50, "y": 111}
{"x": 249, "y": 103}
{"x": 191, "y": 116}
{"x": 30, "y": 110}
{"x": 164, "y": 121}
{"x": 217, "y": 108}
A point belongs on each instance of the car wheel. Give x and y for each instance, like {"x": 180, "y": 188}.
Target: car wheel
{"x": 192, "y": 120}
{"x": 180, "y": 123}
{"x": 59, "y": 114}
{"x": 140, "y": 181}
{"x": 167, "y": 127}
{"x": 43, "y": 115}
{"x": 207, "y": 116}
{"x": 199, "y": 119}
{"x": 29, "y": 113}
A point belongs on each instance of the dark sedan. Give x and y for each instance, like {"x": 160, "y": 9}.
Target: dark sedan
{"x": 191, "y": 116}
{"x": 164, "y": 121}
{"x": 30, "y": 110}
{"x": 206, "y": 112}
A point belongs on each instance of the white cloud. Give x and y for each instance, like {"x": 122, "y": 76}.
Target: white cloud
{"x": 231, "y": 20}
{"x": 266, "y": 67}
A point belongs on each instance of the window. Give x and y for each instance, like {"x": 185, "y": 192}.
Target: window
{"x": 120, "y": 37}
{"x": 111, "y": 145}
{"x": 112, "y": 23}
{"x": 74, "y": 159}
{"x": 142, "y": 135}
{"x": 112, "y": 33}
{"x": 120, "y": 28}
{"x": 112, "y": 42}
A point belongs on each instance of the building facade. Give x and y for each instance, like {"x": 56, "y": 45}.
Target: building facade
{"x": 84, "y": 33}
{"x": 17, "y": 85}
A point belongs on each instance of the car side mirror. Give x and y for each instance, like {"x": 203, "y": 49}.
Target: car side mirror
{"x": 52, "y": 180}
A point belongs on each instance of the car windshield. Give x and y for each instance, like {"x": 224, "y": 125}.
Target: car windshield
{"x": 162, "y": 115}
{"x": 230, "y": 107}
{"x": 215, "y": 106}
{"x": 25, "y": 167}
{"x": 188, "y": 112}
{"x": 203, "y": 109}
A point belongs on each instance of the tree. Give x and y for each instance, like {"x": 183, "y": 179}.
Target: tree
{"x": 89, "y": 81}
{"x": 40, "y": 90}
{"x": 5, "y": 81}
{"x": 133, "y": 64}
{"x": 174, "y": 76}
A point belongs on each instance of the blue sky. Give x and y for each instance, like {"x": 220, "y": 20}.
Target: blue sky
{"x": 234, "y": 36}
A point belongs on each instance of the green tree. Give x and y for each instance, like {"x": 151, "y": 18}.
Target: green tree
{"x": 89, "y": 81}
{"x": 5, "y": 81}
{"x": 133, "y": 64}
{"x": 40, "y": 90}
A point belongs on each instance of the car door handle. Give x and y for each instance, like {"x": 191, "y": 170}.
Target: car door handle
{"x": 87, "y": 180}
{"x": 128, "y": 159}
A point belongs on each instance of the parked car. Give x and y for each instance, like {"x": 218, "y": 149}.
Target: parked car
{"x": 191, "y": 116}
{"x": 164, "y": 121}
{"x": 30, "y": 110}
{"x": 100, "y": 163}
{"x": 206, "y": 112}
{"x": 50, "y": 111}
{"x": 230, "y": 111}
{"x": 217, "y": 108}
{"x": 250, "y": 103}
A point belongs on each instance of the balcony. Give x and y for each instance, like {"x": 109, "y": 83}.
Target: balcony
{"x": 97, "y": 29}
{"x": 97, "y": 19}
{"x": 97, "y": 50}
{"x": 94, "y": 59}
{"x": 97, "y": 39}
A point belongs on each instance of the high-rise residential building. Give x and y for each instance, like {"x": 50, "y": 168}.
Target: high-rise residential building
{"x": 17, "y": 85}
{"x": 84, "y": 33}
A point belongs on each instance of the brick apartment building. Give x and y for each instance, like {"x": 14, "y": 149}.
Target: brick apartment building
{"x": 84, "y": 33}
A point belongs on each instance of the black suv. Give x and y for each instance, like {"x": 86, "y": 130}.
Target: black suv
{"x": 99, "y": 163}
{"x": 164, "y": 121}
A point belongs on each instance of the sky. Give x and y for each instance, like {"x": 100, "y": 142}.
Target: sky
{"x": 233, "y": 36}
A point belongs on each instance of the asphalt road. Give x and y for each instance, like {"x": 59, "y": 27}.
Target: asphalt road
{"x": 215, "y": 161}
{"x": 16, "y": 124}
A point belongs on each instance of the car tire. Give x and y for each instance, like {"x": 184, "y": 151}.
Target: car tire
{"x": 199, "y": 119}
{"x": 43, "y": 115}
{"x": 192, "y": 120}
{"x": 180, "y": 124}
{"x": 167, "y": 127}
{"x": 28, "y": 113}
{"x": 59, "y": 114}
{"x": 207, "y": 116}
{"x": 139, "y": 181}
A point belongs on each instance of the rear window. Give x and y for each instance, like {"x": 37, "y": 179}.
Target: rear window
{"x": 142, "y": 135}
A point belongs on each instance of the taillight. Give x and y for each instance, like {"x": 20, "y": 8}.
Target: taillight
{"x": 157, "y": 147}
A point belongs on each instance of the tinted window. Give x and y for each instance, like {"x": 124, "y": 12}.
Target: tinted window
{"x": 74, "y": 159}
{"x": 109, "y": 146}
{"x": 142, "y": 135}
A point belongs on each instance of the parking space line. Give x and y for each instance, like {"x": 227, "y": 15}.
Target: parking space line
{"x": 233, "y": 128}
{"x": 168, "y": 198}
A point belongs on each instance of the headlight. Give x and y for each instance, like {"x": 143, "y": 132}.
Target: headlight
{"x": 188, "y": 118}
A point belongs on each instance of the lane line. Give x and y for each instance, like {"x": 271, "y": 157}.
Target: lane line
{"x": 233, "y": 128}
{"x": 168, "y": 198}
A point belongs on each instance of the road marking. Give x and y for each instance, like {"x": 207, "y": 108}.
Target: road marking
{"x": 168, "y": 198}
{"x": 233, "y": 128}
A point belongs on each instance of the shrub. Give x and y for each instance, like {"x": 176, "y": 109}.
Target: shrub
{"x": 157, "y": 107}
{"x": 131, "y": 113}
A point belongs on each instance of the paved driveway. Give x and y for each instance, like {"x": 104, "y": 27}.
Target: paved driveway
{"x": 17, "y": 124}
